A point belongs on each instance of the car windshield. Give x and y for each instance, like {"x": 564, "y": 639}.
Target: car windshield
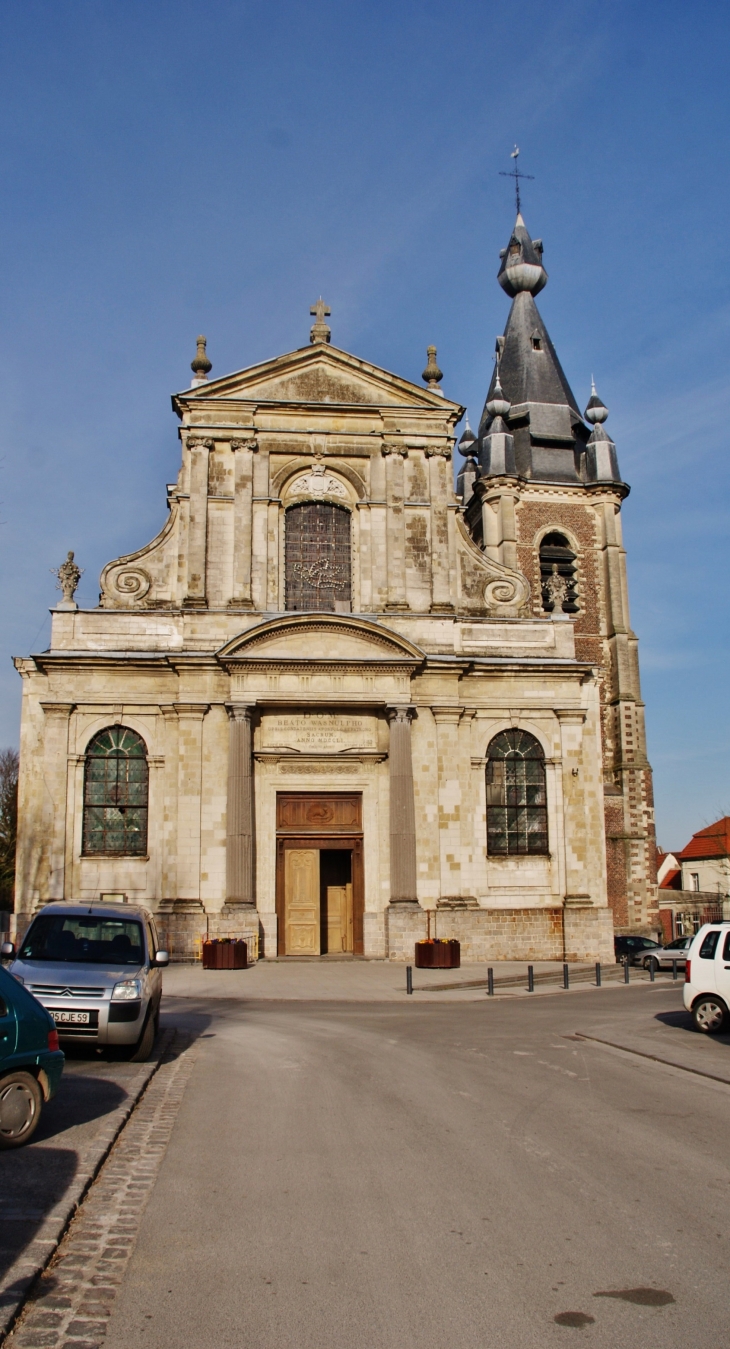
{"x": 86, "y": 940}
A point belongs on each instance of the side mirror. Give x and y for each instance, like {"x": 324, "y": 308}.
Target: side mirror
{"x": 7, "y": 950}
{"x": 162, "y": 958}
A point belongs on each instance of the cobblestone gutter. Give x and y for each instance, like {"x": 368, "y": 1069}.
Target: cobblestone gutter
{"x": 79, "y": 1276}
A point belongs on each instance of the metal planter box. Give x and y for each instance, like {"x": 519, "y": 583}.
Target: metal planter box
{"x": 438, "y": 954}
{"x": 224, "y": 955}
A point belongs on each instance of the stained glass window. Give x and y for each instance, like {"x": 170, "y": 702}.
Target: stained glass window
{"x": 318, "y": 557}
{"x": 115, "y": 794}
{"x": 516, "y": 797}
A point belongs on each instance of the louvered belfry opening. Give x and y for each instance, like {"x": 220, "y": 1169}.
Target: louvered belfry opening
{"x": 558, "y": 559}
{"x": 318, "y": 565}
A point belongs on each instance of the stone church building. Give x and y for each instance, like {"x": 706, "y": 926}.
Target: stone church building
{"x": 336, "y": 703}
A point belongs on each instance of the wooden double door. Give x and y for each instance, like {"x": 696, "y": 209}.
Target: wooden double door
{"x": 319, "y": 880}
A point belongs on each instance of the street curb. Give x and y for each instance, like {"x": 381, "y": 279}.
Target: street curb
{"x": 655, "y": 1058}
{"x": 23, "y": 1273}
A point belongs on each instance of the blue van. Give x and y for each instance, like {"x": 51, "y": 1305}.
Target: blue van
{"x": 31, "y": 1062}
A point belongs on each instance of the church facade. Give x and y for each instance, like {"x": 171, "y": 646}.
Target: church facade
{"x": 337, "y": 704}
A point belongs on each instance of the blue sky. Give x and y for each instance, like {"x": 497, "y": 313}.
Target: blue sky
{"x": 177, "y": 168}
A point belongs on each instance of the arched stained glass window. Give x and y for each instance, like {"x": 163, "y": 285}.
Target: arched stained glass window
{"x": 516, "y": 797}
{"x": 115, "y": 794}
{"x": 318, "y": 557}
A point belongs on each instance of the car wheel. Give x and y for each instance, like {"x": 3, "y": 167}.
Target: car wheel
{"x": 649, "y": 961}
{"x": 709, "y": 1014}
{"x": 143, "y": 1047}
{"x": 21, "y": 1101}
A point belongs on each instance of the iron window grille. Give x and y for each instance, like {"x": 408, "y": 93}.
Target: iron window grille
{"x": 116, "y": 788}
{"x": 317, "y": 552}
{"x": 516, "y": 796}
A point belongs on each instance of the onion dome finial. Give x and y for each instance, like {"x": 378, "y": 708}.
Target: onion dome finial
{"x": 201, "y": 366}
{"x": 498, "y": 405}
{"x": 432, "y": 374}
{"x": 522, "y": 267}
{"x": 596, "y": 410}
{"x": 468, "y": 441}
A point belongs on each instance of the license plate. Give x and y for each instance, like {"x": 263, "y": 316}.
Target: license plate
{"x": 70, "y": 1018}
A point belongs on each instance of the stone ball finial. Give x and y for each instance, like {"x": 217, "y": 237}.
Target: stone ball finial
{"x": 432, "y": 374}
{"x": 200, "y": 366}
{"x": 596, "y": 410}
{"x": 498, "y": 405}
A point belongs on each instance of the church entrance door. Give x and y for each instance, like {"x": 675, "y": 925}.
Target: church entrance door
{"x": 319, "y": 876}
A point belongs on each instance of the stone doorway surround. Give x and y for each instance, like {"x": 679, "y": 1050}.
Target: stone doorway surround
{"x": 320, "y": 821}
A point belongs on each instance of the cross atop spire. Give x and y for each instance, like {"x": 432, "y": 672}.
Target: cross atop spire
{"x": 320, "y": 331}
{"x": 515, "y": 173}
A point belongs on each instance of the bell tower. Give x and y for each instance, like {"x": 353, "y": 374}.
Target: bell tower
{"x": 542, "y": 493}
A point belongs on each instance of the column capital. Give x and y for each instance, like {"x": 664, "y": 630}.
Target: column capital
{"x": 240, "y": 711}
{"x": 400, "y": 712}
{"x": 58, "y": 709}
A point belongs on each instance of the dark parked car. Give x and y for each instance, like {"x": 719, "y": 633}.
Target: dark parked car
{"x": 31, "y": 1062}
{"x": 636, "y": 948}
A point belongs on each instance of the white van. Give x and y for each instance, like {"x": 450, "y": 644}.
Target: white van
{"x": 707, "y": 978}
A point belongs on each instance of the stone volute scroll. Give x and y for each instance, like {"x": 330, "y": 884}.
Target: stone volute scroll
{"x": 240, "y": 883}
{"x": 69, "y": 575}
{"x": 403, "y": 872}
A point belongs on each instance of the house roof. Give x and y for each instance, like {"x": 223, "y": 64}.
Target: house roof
{"x": 714, "y": 841}
{"x": 671, "y": 880}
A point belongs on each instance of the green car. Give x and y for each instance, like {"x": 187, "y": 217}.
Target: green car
{"x": 31, "y": 1062}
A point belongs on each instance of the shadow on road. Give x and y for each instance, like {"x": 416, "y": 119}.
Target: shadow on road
{"x": 682, "y": 1020}
{"x": 32, "y": 1181}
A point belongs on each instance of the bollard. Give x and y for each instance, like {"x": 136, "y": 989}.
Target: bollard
{"x": 598, "y": 974}
{"x": 674, "y": 970}
{"x": 566, "y": 977}
{"x": 530, "y": 979}
{"x": 490, "y": 982}
{"x": 409, "y": 978}
{"x": 652, "y": 966}
{"x": 626, "y": 969}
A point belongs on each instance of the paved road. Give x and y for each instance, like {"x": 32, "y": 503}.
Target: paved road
{"x": 424, "y": 1177}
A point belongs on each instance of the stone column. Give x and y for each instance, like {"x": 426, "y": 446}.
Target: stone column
{"x": 240, "y": 884}
{"x": 402, "y": 808}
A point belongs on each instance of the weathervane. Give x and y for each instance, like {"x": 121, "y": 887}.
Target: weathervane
{"x": 516, "y": 175}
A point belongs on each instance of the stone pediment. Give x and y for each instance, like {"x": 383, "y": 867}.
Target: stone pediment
{"x": 317, "y": 639}
{"x": 316, "y": 374}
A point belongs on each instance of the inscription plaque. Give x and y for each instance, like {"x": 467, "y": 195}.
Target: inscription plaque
{"x": 318, "y": 732}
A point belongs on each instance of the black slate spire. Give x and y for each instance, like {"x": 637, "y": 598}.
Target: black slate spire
{"x": 549, "y": 433}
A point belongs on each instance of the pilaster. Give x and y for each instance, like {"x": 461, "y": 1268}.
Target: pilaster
{"x": 403, "y": 883}
{"x": 55, "y": 761}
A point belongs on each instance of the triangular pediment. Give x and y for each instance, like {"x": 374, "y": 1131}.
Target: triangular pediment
{"x": 316, "y": 374}
{"x": 311, "y": 639}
